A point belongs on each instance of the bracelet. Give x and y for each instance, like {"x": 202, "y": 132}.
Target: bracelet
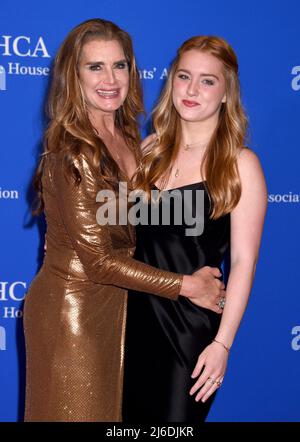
{"x": 223, "y": 345}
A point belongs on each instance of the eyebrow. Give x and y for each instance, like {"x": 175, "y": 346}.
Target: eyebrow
{"x": 201, "y": 75}
{"x": 89, "y": 63}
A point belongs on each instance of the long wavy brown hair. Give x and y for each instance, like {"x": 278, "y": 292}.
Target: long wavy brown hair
{"x": 70, "y": 129}
{"x": 219, "y": 165}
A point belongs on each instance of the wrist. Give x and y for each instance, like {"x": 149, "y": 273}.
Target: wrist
{"x": 187, "y": 286}
{"x": 226, "y": 347}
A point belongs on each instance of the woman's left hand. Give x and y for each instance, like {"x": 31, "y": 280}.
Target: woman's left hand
{"x": 214, "y": 360}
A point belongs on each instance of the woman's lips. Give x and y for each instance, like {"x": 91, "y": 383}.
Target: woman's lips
{"x": 189, "y": 103}
{"x": 105, "y": 93}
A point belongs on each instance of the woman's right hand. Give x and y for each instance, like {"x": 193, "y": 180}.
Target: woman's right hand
{"x": 204, "y": 288}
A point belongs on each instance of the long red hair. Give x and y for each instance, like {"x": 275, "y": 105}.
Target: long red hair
{"x": 219, "y": 166}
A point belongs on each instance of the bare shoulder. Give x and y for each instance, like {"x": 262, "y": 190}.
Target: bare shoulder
{"x": 148, "y": 141}
{"x": 251, "y": 174}
{"x": 248, "y": 163}
{"x": 247, "y": 156}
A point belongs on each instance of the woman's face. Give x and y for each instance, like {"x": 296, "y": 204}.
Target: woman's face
{"x": 104, "y": 75}
{"x": 199, "y": 87}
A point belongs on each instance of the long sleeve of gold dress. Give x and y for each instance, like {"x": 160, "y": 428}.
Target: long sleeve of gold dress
{"x": 75, "y": 309}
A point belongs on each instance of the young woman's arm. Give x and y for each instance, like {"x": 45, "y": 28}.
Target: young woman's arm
{"x": 247, "y": 221}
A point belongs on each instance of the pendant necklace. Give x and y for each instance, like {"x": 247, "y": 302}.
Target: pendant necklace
{"x": 189, "y": 147}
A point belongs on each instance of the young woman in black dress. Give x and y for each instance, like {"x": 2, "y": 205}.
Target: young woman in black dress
{"x": 176, "y": 352}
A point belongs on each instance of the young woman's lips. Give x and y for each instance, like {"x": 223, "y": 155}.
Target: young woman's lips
{"x": 189, "y": 103}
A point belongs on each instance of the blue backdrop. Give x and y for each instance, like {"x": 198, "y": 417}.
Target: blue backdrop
{"x": 262, "y": 381}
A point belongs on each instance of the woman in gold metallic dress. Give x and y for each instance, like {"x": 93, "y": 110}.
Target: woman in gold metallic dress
{"x": 75, "y": 310}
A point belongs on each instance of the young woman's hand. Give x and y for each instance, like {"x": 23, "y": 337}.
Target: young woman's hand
{"x": 209, "y": 371}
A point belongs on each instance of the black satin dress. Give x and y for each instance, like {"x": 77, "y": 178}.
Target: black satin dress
{"x": 164, "y": 338}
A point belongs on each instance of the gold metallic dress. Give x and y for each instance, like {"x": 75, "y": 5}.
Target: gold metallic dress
{"x": 75, "y": 309}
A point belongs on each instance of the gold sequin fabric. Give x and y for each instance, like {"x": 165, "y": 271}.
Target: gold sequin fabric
{"x": 75, "y": 309}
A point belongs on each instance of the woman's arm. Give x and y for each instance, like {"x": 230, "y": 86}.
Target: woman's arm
{"x": 247, "y": 221}
{"x": 102, "y": 263}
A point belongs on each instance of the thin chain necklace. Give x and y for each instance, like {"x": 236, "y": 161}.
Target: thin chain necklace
{"x": 188, "y": 147}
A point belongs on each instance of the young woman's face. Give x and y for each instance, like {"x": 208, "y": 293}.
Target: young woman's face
{"x": 199, "y": 87}
{"x": 104, "y": 75}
